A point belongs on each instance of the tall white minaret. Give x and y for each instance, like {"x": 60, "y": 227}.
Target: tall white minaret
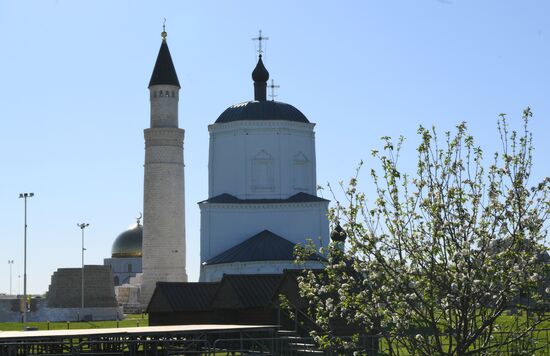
{"x": 163, "y": 190}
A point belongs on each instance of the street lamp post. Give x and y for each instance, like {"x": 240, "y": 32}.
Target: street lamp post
{"x": 82, "y": 226}
{"x": 10, "y": 262}
{"x": 25, "y": 196}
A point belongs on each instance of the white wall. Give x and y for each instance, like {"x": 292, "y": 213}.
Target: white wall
{"x": 119, "y": 267}
{"x": 226, "y": 225}
{"x": 262, "y": 159}
{"x": 214, "y": 273}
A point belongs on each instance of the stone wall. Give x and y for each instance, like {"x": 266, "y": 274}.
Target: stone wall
{"x": 65, "y": 288}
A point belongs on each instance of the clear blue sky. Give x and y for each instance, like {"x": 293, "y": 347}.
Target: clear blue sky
{"x": 74, "y": 98}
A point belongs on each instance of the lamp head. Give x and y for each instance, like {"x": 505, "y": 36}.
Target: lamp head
{"x": 82, "y": 225}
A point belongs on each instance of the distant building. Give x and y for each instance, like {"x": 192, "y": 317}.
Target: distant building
{"x": 64, "y": 298}
{"x": 65, "y": 290}
{"x": 126, "y": 254}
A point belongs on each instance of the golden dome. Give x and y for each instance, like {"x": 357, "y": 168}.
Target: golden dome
{"x": 128, "y": 243}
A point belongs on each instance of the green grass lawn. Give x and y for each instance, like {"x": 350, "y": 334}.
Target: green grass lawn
{"x": 132, "y": 320}
{"x": 540, "y": 337}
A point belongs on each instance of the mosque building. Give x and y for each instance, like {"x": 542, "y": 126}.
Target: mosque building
{"x": 126, "y": 254}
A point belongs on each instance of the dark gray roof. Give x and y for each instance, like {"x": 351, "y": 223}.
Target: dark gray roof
{"x": 246, "y": 291}
{"x": 261, "y": 110}
{"x": 164, "y": 72}
{"x": 265, "y": 246}
{"x": 296, "y": 198}
{"x": 174, "y": 296}
{"x": 233, "y": 292}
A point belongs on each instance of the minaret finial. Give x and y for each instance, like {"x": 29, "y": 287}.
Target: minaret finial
{"x": 138, "y": 219}
{"x": 164, "y": 34}
{"x": 260, "y": 38}
{"x": 273, "y": 87}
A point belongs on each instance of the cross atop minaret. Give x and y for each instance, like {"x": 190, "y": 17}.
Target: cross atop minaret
{"x": 260, "y": 38}
{"x": 273, "y": 87}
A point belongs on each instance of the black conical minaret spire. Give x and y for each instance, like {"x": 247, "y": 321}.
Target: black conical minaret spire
{"x": 260, "y": 76}
{"x": 164, "y": 72}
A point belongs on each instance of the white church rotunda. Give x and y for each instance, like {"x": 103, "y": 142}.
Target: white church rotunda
{"x": 262, "y": 188}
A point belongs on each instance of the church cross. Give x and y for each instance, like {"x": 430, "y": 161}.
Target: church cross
{"x": 273, "y": 87}
{"x": 260, "y": 38}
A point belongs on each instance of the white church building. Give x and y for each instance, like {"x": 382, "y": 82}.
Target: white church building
{"x": 262, "y": 197}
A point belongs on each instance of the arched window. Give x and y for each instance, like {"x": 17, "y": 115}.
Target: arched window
{"x": 300, "y": 172}
{"x": 262, "y": 172}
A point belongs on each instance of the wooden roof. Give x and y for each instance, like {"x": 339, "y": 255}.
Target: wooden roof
{"x": 174, "y": 296}
{"x": 246, "y": 291}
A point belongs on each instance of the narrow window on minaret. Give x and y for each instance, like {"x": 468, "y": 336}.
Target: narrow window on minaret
{"x": 160, "y": 94}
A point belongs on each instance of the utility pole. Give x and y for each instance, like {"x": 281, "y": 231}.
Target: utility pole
{"x": 25, "y": 196}
{"x": 10, "y": 262}
{"x": 82, "y": 226}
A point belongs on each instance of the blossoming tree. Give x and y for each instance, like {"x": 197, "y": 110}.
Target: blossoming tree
{"x": 438, "y": 261}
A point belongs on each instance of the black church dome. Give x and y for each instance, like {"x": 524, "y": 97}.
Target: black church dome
{"x": 261, "y": 110}
{"x": 128, "y": 243}
{"x": 260, "y": 73}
